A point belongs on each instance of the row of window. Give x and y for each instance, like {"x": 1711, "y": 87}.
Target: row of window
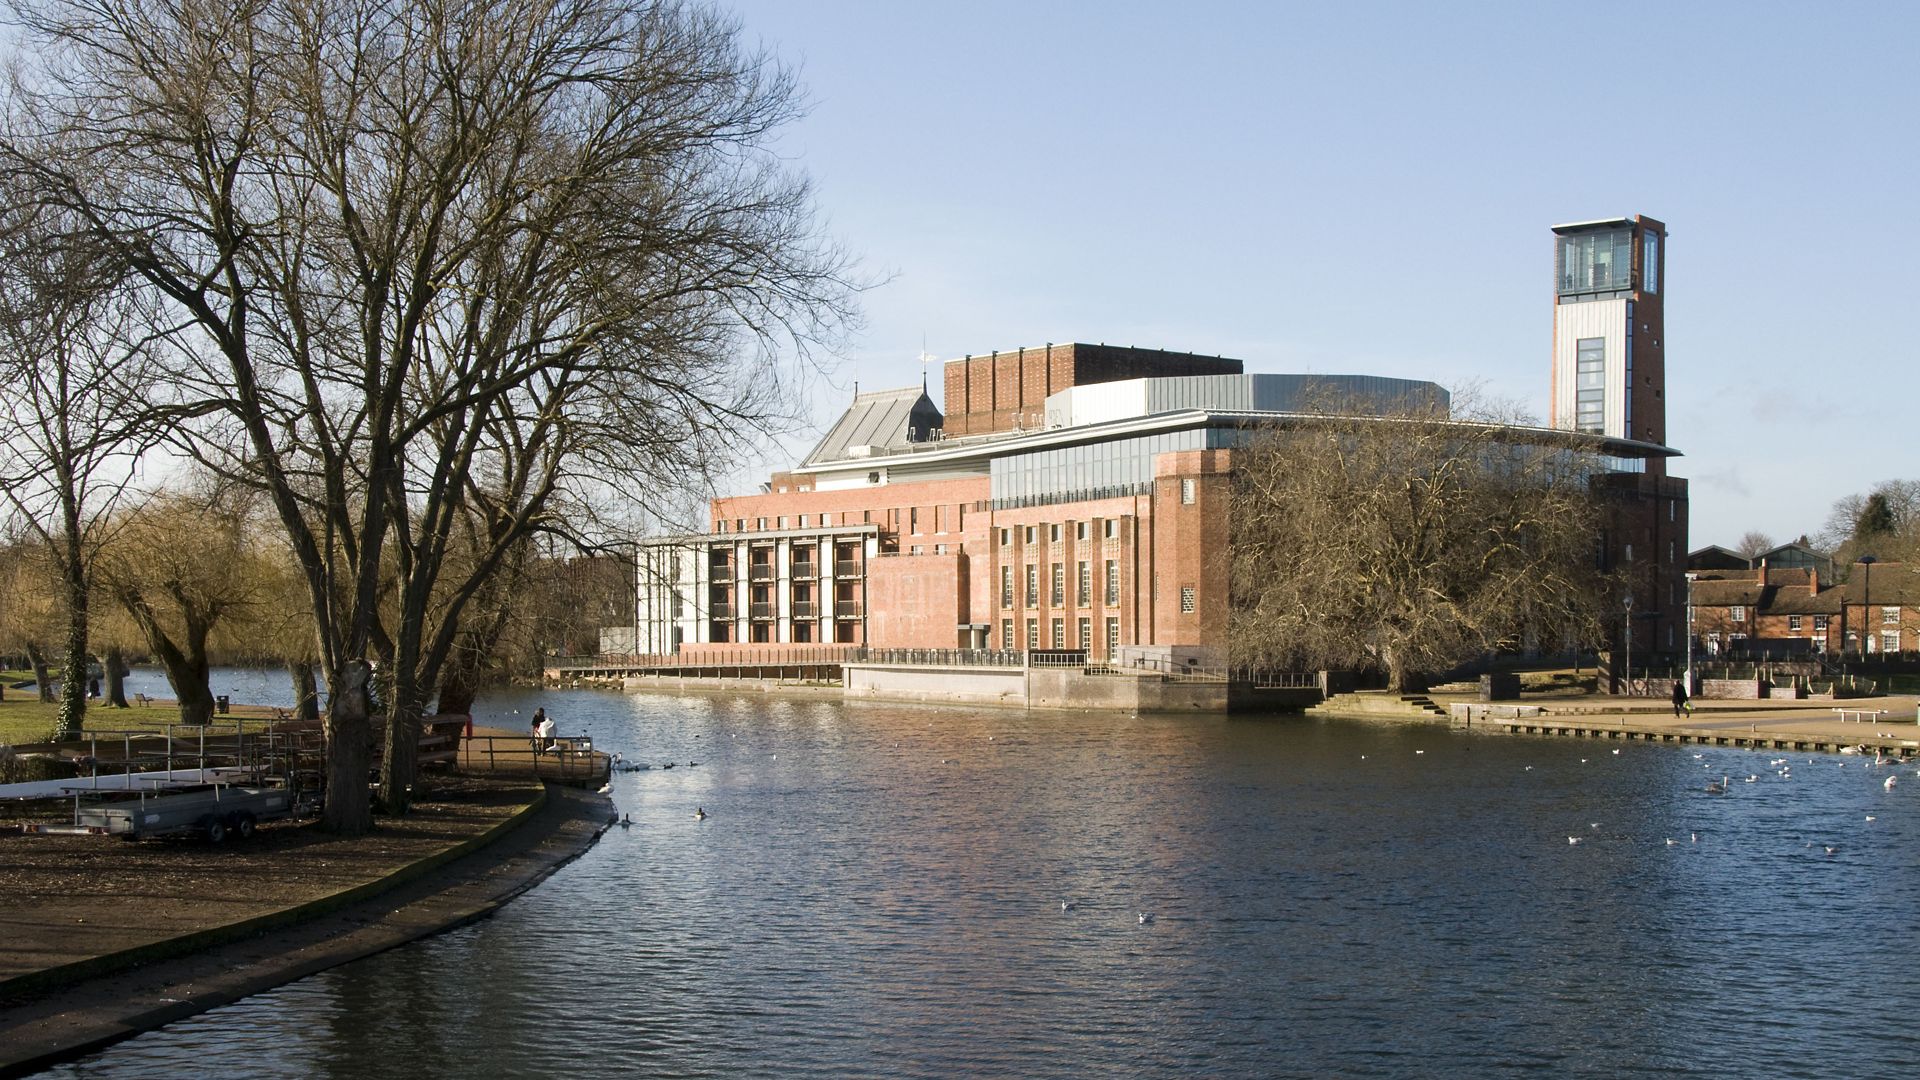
{"x": 1030, "y": 534}
{"x": 1057, "y": 637}
{"x": 1058, "y": 582}
{"x": 1889, "y": 616}
{"x": 939, "y": 519}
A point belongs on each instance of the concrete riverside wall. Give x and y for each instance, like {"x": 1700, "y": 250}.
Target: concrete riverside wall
{"x": 921, "y": 682}
{"x": 1031, "y": 688}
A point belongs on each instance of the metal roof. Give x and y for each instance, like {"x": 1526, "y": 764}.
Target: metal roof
{"x": 880, "y": 419}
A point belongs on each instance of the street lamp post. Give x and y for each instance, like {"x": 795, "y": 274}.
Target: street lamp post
{"x": 1866, "y": 605}
{"x": 1688, "y": 675}
{"x": 1627, "y": 603}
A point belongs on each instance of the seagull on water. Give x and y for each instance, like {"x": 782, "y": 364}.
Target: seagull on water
{"x": 1571, "y": 840}
{"x": 1671, "y": 842}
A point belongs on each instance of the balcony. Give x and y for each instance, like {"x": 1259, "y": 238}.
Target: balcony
{"x": 760, "y": 572}
{"x": 847, "y": 609}
{"x": 846, "y": 568}
{"x": 720, "y": 609}
{"x": 805, "y": 568}
{"x": 761, "y": 611}
{"x": 806, "y": 609}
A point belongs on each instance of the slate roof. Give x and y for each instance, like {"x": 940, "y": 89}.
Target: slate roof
{"x": 879, "y": 418}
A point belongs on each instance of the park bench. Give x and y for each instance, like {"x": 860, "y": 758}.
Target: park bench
{"x": 1859, "y": 716}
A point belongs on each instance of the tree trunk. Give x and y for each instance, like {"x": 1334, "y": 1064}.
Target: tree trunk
{"x": 42, "y": 677}
{"x": 73, "y": 678}
{"x": 348, "y": 729}
{"x": 402, "y": 745}
{"x": 116, "y": 671}
{"x": 306, "y": 691}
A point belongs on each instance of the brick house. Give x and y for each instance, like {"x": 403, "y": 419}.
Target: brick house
{"x": 1785, "y": 611}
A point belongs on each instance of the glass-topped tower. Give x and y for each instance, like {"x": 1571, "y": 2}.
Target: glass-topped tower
{"x": 1609, "y": 364}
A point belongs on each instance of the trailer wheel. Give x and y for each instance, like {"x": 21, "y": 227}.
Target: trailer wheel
{"x": 243, "y": 825}
{"x": 216, "y": 831}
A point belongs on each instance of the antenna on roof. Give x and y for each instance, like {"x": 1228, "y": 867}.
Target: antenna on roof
{"x": 925, "y": 359}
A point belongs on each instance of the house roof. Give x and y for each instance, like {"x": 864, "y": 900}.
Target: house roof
{"x": 879, "y": 419}
{"x": 1886, "y": 583}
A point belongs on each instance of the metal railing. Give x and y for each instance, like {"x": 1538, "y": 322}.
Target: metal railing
{"x": 1282, "y": 680}
{"x": 561, "y": 757}
{"x": 761, "y": 611}
{"x": 760, "y": 572}
{"x": 943, "y": 657}
{"x": 847, "y": 609}
{"x": 846, "y": 568}
{"x": 720, "y": 609}
{"x": 806, "y": 609}
{"x": 807, "y": 568}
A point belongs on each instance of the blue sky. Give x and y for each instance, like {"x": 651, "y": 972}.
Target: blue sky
{"x": 1367, "y": 188}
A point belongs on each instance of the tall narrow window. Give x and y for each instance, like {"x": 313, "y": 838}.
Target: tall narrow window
{"x": 1113, "y": 582}
{"x": 1590, "y": 394}
{"x": 1186, "y": 490}
{"x": 1059, "y": 593}
{"x": 1086, "y": 584}
{"x": 1033, "y": 586}
{"x": 1059, "y": 633}
{"x": 1006, "y": 586}
{"x": 1650, "y": 262}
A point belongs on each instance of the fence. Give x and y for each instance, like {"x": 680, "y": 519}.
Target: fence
{"x": 563, "y": 757}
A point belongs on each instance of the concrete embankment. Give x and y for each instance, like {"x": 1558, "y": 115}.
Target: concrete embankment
{"x": 1885, "y": 724}
{"x": 60, "y": 1013}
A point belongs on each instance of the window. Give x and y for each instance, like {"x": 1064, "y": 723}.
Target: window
{"x": 1889, "y": 641}
{"x": 1820, "y": 624}
{"x": 760, "y": 524}
{"x": 1590, "y": 386}
{"x": 1086, "y": 584}
{"x": 783, "y": 521}
{"x": 1059, "y": 592}
{"x": 1113, "y": 582}
{"x": 1029, "y": 534}
{"x": 1006, "y": 537}
{"x": 1112, "y": 528}
{"x": 913, "y": 520}
{"x": 1650, "y": 262}
{"x": 915, "y": 550}
{"x": 803, "y": 521}
{"x": 1079, "y": 530}
{"x": 1033, "y": 586}
{"x": 1006, "y": 635}
{"x": 866, "y": 517}
{"x": 826, "y": 520}
{"x": 1033, "y": 633}
{"x": 739, "y": 524}
{"x": 873, "y": 478}
{"x": 1669, "y": 552}
{"x": 1186, "y": 599}
{"x": 1890, "y": 616}
{"x": 1086, "y": 635}
{"x": 1186, "y": 490}
{"x": 1059, "y": 633}
{"x": 1793, "y": 624}
{"x": 1600, "y": 261}
{"x": 1113, "y": 636}
{"x": 1737, "y": 612}
{"x": 1053, "y": 533}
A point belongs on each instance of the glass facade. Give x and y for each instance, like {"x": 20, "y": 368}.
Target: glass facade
{"x": 1096, "y": 470}
{"x": 1594, "y": 262}
{"x": 1590, "y": 387}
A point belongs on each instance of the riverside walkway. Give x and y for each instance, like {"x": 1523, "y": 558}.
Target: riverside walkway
{"x": 1883, "y": 724}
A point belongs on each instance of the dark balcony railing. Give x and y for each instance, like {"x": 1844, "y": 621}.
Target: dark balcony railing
{"x": 760, "y": 572}
{"x": 806, "y": 568}
{"x": 721, "y": 609}
{"x": 847, "y": 609}
{"x": 806, "y": 609}
{"x": 846, "y": 568}
{"x": 762, "y": 611}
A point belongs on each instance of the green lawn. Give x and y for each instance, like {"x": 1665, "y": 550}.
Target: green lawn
{"x": 25, "y": 720}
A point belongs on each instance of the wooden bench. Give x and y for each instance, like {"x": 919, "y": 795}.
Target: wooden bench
{"x": 1859, "y": 716}
{"x": 440, "y": 741}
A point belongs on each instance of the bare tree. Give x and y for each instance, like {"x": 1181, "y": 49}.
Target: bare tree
{"x": 1755, "y": 544}
{"x": 1409, "y": 544}
{"x": 76, "y": 391}
{"x": 545, "y": 246}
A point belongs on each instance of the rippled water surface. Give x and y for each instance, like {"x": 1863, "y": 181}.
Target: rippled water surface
{"x": 878, "y": 891}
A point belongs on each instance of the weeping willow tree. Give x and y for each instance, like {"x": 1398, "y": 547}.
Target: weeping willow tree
{"x": 1410, "y": 543}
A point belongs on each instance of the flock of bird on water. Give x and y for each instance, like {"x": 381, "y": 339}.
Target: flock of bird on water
{"x": 1719, "y": 787}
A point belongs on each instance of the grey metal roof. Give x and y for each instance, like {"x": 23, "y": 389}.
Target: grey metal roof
{"x": 879, "y": 418}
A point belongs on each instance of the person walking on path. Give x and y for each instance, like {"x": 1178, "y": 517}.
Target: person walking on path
{"x": 539, "y": 718}
{"x": 1680, "y": 701}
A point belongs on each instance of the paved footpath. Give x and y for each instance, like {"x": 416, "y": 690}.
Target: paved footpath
{"x": 102, "y": 1011}
{"x": 1883, "y": 722}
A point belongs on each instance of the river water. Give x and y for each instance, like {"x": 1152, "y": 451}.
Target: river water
{"x": 878, "y": 890}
